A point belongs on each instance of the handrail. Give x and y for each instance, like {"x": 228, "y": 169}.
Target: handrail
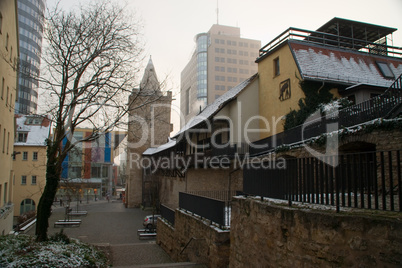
{"x": 188, "y": 243}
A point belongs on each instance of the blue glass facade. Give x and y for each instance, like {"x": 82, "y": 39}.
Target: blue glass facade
{"x": 30, "y": 20}
{"x": 202, "y": 68}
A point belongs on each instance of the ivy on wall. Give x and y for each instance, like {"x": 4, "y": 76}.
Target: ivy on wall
{"x": 316, "y": 94}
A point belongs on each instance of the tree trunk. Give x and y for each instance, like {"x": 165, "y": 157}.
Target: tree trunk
{"x": 53, "y": 171}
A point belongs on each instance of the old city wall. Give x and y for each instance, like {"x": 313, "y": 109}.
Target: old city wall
{"x": 194, "y": 240}
{"x": 199, "y": 179}
{"x": 264, "y": 233}
{"x": 380, "y": 140}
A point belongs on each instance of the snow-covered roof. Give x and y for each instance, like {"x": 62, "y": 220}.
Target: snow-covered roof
{"x": 209, "y": 111}
{"x": 214, "y": 107}
{"x": 154, "y": 150}
{"x": 37, "y": 133}
{"x": 347, "y": 66}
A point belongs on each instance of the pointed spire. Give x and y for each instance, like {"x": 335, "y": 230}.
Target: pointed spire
{"x": 150, "y": 81}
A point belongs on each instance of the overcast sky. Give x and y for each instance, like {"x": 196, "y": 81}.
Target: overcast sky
{"x": 170, "y": 25}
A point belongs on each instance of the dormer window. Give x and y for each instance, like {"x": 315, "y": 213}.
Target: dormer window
{"x": 22, "y": 136}
{"x": 385, "y": 70}
{"x": 34, "y": 121}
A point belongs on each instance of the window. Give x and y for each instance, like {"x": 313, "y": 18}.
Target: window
{"x": 187, "y": 101}
{"x": 385, "y": 70}
{"x": 33, "y": 180}
{"x": 22, "y": 137}
{"x": 8, "y": 142}
{"x": 25, "y": 156}
{"x": 352, "y": 98}
{"x": 23, "y": 179}
{"x": 35, "y": 156}
{"x": 276, "y": 67}
{"x": 5, "y": 193}
{"x": 2, "y": 88}
{"x": 4, "y": 140}
{"x": 8, "y": 91}
{"x": 7, "y": 38}
{"x": 27, "y": 205}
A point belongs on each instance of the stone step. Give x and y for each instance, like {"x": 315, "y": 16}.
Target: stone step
{"x": 169, "y": 265}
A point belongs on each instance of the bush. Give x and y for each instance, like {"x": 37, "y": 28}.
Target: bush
{"x": 24, "y": 251}
{"x": 60, "y": 237}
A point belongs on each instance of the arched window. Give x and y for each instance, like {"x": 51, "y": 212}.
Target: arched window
{"x": 27, "y": 205}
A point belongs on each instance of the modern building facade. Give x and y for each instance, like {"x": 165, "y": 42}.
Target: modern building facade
{"x": 29, "y": 161}
{"x": 221, "y": 60}
{"x": 30, "y": 23}
{"x": 88, "y": 172}
{"x": 8, "y": 91}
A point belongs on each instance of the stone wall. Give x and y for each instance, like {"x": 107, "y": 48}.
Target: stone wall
{"x": 209, "y": 245}
{"x": 199, "y": 180}
{"x": 264, "y": 234}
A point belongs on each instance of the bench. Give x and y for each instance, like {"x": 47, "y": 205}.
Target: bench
{"x": 77, "y": 220}
{"x": 67, "y": 223}
{"x": 147, "y": 235}
{"x": 78, "y": 213}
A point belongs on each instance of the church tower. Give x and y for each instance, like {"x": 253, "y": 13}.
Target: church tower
{"x": 149, "y": 126}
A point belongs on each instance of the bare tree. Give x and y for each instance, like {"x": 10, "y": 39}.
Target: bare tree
{"x": 91, "y": 59}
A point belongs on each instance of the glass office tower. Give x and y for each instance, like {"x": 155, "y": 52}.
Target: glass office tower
{"x": 31, "y": 22}
{"x": 221, "y": 60}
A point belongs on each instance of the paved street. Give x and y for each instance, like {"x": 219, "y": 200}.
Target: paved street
{"x": 115, "y": 226}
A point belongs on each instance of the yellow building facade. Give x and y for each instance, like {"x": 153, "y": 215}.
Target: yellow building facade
{"x": 29, "y": 161}
{"x": 30, "y": 177}
{"x": 9, "y": 52}
{"x": 276, "y": 69}
{"x": 345, "y": 58}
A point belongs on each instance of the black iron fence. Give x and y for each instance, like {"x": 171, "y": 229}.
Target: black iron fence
{"x": 217, "y": 211}
{"x": 363, "y": 180}
{"x": 381, "y": 106}
{"x": 168, "y": 214}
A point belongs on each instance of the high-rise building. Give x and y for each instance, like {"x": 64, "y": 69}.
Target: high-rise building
{"x": 221, "y": 60}
{"x": 30, "y": 20}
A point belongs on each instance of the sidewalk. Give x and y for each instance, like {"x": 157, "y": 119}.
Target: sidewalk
{"x": 113, "y": 226}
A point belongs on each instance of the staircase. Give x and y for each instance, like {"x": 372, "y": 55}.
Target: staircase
{"x": 144, "y": 255}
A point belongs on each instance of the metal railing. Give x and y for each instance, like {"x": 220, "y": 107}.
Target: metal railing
{"x": 168, "y": 214}
{"x": 332, "y": 40}
{"x": 217, "y": 211}
{"x": 369, "y": 180}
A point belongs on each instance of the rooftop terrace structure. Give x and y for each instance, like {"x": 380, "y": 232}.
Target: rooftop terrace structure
{"x": 341, "y": 33}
